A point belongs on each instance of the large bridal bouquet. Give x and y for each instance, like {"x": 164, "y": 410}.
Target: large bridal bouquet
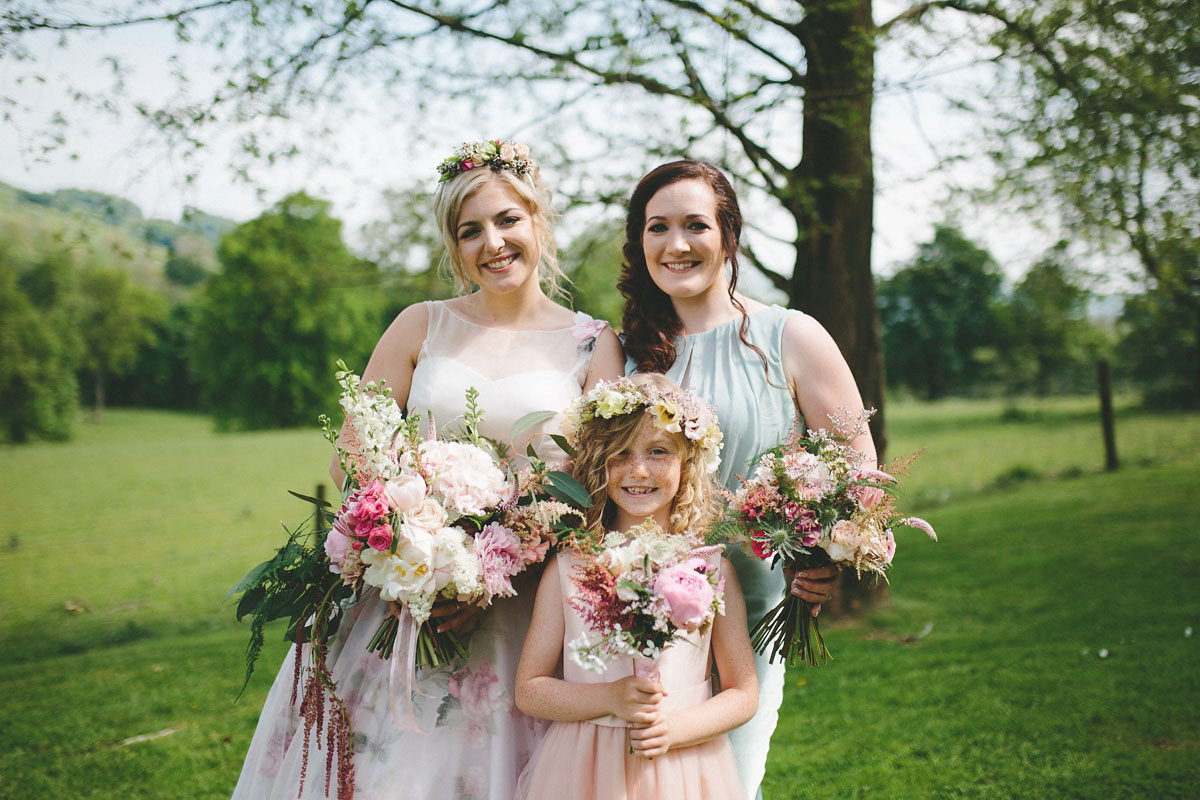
{"x": 423, "y": 520}
{"x": 809, "y": 504}
{"x": 640, "y": 591}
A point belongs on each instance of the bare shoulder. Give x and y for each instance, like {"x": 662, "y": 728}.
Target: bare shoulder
{"x": 608, "y": 361}
{"x": 396, "y": 352}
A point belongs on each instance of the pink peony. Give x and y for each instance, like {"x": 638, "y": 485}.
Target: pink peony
{"x": 687, "y": 593}
{"x": 499, "y": 551}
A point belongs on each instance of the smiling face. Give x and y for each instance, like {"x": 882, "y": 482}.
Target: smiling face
{"x": 682, "y": 240}
{"x": 497, "y": 240}
{"x": 643, "y": 478}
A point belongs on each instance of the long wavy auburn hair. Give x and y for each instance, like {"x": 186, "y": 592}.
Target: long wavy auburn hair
{"x": 649, "y": 322}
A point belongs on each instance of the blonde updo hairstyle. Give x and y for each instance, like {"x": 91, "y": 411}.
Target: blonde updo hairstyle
{"x": 452, "y": 194}
{"x": 695, "y": 506}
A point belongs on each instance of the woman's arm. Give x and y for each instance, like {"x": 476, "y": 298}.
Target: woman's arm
{"x": 608, "y": 362}
{"x": 733, "y": 705}
{"x": 540, "y": 694}
{"x": 820, "y": 380}
{"x": 393, "y": 360}
{"x": 822, "y": 386}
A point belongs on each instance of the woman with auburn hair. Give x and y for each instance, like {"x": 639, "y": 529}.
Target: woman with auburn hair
{"x": 764, "y": 368}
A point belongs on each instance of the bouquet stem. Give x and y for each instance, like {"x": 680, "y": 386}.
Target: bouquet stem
{"x": 790, "y": 632}
{"x": 434, "y": 647}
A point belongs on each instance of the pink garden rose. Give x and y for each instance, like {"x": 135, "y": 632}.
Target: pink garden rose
{"x": 380, "y": 538}
{"x": 687, "y": 593}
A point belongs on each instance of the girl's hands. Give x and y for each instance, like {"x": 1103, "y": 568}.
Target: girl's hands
{"x": 653, "y": 739}
{"x": 635, "y": 700}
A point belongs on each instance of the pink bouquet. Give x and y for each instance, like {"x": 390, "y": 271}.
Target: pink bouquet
{"x": 640, "y": 592}
{"x": 809, "y": 504}
{"x": 431, "y": 519}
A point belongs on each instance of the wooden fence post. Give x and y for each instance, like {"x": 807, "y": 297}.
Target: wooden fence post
{"x": 1106, "y": 416}
{"x": 320, "y": 509}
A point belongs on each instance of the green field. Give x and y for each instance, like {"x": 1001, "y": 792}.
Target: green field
{"x": 1041, "y": 649}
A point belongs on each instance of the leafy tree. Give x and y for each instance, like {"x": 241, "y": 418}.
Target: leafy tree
{"x": 290, "y": 300}
{"x": 1054, "y": 346}
{"x": 1160, "y": 349}
{"x": 116, "y": 320}
{"x": 940, "y": 315}
{"x": 162, "y": 375}
{"x": 1095, "y": 118}
{"x": 39, "y": 348}
{"x": 593, "y": 262}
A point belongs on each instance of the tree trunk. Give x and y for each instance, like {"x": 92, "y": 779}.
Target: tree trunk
{"x": 834, "y": 189}
{"x": 834, "y": 202}
{"x": 98, "y": 405}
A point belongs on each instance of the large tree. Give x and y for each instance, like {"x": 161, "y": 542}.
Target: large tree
{"x": 277, "y": 317}
{"x": 778, "y": 92}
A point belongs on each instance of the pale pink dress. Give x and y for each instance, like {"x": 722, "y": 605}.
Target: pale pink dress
{"x": 591, "y": 760}
{"x": 461, "y": 737}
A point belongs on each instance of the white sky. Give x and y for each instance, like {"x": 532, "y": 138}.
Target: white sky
{"x": 119, "y": 157}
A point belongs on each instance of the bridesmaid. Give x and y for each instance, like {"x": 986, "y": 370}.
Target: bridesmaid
{"x": 523, "y": 352}
{"x": 763, "y": 367}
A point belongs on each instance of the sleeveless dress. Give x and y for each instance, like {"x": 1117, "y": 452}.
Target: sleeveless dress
{"x": 472, "y": 742}
{"x": 755, "y": 412}
{"x": 590, "y": 760}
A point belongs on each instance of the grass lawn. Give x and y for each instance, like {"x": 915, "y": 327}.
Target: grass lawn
{"x": 1038, "y": 650}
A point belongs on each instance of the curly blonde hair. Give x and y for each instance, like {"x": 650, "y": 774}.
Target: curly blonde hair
{"x": 697, "y": 503}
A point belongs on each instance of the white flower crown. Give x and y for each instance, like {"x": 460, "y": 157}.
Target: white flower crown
{"x": 495, "y": 153}
{"x": 671, "y": 411}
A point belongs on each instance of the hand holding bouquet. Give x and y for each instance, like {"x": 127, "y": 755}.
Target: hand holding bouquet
{"x": 640, "y": 592}
{"x": 808, "y": 504}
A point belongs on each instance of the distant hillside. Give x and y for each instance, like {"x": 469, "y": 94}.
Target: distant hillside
{"x": 120, "y": 213}
{"x": 169, "y": 257}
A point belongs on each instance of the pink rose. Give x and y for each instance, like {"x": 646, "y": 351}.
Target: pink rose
{"x": 404, "y": 492}
{"x": 687, "y": 593}
{"x": 845, "y": 539}
{"x": 337, "y": 543}
{"x": 380, "y": 538}
{"x": 467, "y": 164}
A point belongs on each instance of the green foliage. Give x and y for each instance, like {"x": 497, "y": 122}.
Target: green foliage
{"x": 1052, "y": 345}
{"x": 161, "y": 376}
{"x": 939, "y": 316}
{"x": 290, "y": 301}
{"x": 593, "y": 263}
{"x": 1160, "y": 349}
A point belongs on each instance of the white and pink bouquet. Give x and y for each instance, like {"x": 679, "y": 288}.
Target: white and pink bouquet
{"x": 810, "y": 503}
{"x": 431, "y": 519}
{"x": 640, "y": 592}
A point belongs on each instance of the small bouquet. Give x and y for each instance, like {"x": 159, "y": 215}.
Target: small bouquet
{"x": 640, "y": 592}
{"x": 809, "y": 504}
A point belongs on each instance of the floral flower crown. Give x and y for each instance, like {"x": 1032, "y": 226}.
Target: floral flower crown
{"x": 495, "y": 153}
{"x": 671, "y": 411}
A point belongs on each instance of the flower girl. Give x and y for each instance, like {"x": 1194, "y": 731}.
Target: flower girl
{"x": 646, "y": 451}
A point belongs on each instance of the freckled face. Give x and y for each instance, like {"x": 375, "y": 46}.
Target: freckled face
{"x": 682, "y": 240}
{"x": 643, "y": 479}
{"x": 497, "y": 240}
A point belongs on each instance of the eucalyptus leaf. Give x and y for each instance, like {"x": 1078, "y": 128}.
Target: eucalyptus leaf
{"x": 561, "y": 485}
{"x": 530, "y": 420}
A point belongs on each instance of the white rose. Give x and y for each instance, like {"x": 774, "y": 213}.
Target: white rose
{"x": 428, "y": 515}
{"x": 844, "y": 541}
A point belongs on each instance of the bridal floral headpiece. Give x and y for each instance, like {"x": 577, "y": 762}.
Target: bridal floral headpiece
{"x": 495, "y": 153}
{"x": 671, "y": 411}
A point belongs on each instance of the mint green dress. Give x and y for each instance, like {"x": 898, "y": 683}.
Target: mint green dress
{"x": 755, "y": 412}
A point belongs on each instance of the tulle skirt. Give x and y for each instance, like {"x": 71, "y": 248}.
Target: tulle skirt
{"x": 586, "y": 761}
